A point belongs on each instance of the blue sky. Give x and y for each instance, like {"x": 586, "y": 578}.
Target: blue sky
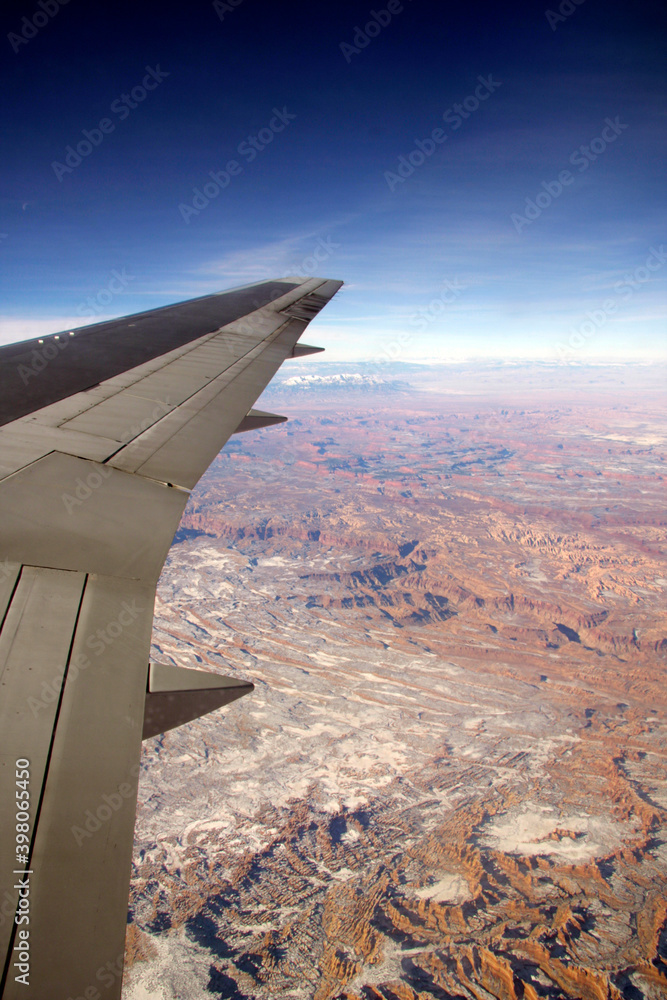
{"x": 503, "y": 238}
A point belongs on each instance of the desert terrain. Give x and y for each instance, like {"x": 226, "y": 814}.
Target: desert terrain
{"x": 447, "y": 585}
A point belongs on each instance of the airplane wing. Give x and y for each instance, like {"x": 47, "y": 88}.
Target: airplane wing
{"x": 104, "y": 431}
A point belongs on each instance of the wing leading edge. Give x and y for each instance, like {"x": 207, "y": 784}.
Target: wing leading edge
{"x": 98, "y": 453}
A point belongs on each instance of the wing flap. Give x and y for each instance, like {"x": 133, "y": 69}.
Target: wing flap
{"x": 68, "y": 513}
{"x": 34, "y": 650}
{"x": 82, "y": 850}
{"x": 22, "y": 444}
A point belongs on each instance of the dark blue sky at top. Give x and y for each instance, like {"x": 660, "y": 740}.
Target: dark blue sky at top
{"x": 441, "y": 263}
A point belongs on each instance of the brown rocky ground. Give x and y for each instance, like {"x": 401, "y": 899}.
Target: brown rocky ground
{"x": 450, "y": 779}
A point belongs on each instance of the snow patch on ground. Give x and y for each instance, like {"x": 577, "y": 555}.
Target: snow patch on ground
{"x": 450, "y": 889}
{"x": 540, "y": 830}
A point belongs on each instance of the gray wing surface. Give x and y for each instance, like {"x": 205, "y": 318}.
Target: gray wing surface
{"x": 104, "y": 432}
